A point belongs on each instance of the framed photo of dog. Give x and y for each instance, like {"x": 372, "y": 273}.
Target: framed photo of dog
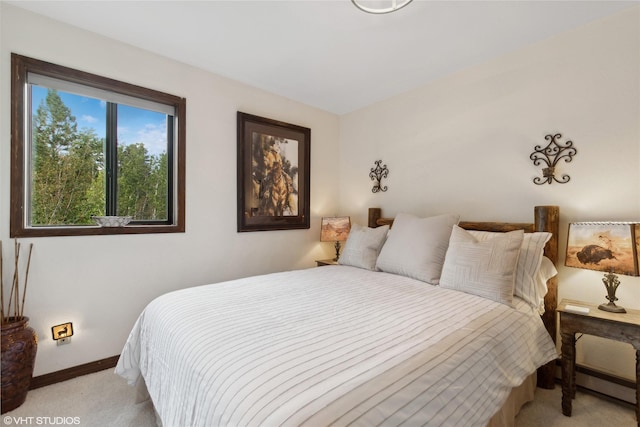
{"x": 273, "y": 174}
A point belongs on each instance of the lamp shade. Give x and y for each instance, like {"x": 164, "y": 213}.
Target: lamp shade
{"x": 604, "y": 246}
{"x": 335, "y": 229}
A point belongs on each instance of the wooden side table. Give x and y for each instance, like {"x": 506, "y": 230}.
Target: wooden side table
{"x": 623, "y": 327}
{"x": 330, "y": 261}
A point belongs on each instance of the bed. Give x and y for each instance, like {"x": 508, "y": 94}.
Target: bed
{"x": 356, "y": 343}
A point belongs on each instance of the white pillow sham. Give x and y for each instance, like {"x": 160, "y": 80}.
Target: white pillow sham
{"x": 482, "y": 267}
{"x": 416, "y": 247}
{"x": 546, "y": 271}
{"x": 363, "y": 246}
{"x": 531, "y": 253}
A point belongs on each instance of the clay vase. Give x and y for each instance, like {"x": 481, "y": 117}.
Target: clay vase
{"x": 19, "y": 345}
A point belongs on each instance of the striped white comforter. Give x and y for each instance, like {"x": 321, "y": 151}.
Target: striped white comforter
{"x": 327, "y": 346}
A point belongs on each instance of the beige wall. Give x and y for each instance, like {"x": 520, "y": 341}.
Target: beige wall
{"x": 462, "y": 144}
{"x": 101, "y": 284}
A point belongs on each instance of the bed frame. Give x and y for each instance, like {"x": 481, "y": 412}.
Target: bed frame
{"x": 546, "y": 218}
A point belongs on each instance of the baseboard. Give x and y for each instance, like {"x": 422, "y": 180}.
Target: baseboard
{"x": 603, "y": 383}
{"x": 73, "y": 372}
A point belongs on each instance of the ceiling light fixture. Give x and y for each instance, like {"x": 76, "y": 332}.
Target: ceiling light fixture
{"x": 380, "y": 6}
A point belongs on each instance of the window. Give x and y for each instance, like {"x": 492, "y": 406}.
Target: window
{"x": 84, "y": 145}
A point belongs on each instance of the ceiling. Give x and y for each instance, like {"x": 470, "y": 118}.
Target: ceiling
{"x": 328, "y": 54}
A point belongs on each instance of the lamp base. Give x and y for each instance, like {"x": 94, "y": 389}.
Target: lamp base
{"x": 611, "y": 283}
{"x": 612, "y": 308}
{"x": 337, "y": 246}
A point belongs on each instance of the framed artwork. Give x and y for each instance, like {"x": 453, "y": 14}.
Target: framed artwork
{"x": 273, "y": 174}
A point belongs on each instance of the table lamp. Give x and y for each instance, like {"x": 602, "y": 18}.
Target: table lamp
{"x": 611, "y": 247}
{"x": 335, "y": 229}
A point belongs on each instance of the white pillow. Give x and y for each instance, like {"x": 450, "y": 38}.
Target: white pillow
{"x": 416, "y": 247}
{"x": 485, "y": 268}
{"x": 531, "y": 253}
{"x": 546, "y": 271}
{"x": 363, "y": 246}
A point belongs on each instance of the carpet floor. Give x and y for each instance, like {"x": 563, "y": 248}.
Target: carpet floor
{"x": 105, "y": 399}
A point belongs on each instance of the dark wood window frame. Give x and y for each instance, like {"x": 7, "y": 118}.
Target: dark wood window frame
{"x": 20, "y": 67}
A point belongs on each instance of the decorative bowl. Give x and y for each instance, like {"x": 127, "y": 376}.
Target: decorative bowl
{"x": 112, "y": 221}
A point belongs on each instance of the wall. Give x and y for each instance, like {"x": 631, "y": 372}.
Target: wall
{"x": 462, "y": 144}
{"x": 101, "y": 284}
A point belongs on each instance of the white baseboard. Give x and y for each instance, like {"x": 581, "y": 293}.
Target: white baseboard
{"x": 603, "y": 386}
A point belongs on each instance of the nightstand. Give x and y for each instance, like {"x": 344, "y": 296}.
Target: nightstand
{"x": 623, "y": 327}
{"x": 329, "y": 261}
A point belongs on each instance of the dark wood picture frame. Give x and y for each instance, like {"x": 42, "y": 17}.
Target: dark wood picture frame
{"x": 273, "y": 174}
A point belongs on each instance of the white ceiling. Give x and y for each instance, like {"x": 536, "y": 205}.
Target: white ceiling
{"x": 328, "y": 54}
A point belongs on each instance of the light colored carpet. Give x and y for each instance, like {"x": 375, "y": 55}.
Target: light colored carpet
{"x": 99, "y": 399}
{"x": 105, "y": 399}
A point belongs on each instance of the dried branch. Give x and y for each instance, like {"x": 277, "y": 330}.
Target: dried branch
{"x": 14, "y": 310}
{"x": 26, "y": 280}
{"x": 15, "y": 287}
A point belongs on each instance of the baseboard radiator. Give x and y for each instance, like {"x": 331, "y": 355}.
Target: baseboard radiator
{"x": 603, "y": 383}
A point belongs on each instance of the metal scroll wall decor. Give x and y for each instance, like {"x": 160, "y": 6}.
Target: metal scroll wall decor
{"x": 377, "y": 174}
{"x": 551, "y": 155}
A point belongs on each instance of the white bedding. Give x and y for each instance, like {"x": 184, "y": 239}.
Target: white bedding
{"x": 334, "y": 345}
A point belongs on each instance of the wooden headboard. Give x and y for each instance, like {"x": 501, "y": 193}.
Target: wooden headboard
{"x": 546, "y": 218}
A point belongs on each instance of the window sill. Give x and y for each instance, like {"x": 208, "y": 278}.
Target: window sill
{"x": 95, "y": 230}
